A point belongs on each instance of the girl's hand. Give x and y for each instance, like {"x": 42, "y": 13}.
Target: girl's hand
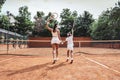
{"x": 61, "y": 42}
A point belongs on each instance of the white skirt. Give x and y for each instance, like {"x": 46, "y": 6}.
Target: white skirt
{"x": 70, "y": 46}
{"x": 55, "y": 40}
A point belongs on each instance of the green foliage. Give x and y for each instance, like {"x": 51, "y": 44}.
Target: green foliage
{"x": 24, "y": 24}
{"x": 83, "y": 24}
{"x": 1, "y": 4}
{"x": 107, "y": 27}
{"x": 67, "y": 20}
{"x": 39, "y": 23}
{"x": 40, "y": 14}
{"x": 39, "y": 27}
{"x": 4, "y": 22}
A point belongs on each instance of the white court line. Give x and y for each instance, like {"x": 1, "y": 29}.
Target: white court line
{"x": 102, "y": 65}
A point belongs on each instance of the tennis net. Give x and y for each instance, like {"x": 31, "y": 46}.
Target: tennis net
{"x": 88, "y": 46}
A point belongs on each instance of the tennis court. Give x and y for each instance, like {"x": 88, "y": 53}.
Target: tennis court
{"x": 36, "y": 64}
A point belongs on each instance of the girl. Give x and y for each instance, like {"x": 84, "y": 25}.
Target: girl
{"x": 70, "y": 45}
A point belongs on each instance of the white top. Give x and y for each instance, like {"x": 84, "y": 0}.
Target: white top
{"x": 55, "y": 38}
{"x": 54, "y": 34}
{"x": 69, "y": 40}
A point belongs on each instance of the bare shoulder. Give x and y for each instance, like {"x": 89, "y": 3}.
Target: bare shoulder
{"x": 58, "y": 30}
{"x": 51, "y": 30}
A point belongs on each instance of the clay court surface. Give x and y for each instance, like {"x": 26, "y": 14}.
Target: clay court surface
{"x": 36, "y": 64}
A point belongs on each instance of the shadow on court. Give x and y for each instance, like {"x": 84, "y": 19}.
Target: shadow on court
{"x": 32, "y": 68}
{"x": 37, "y": 67}
{"x": 17, "y": 54}
{"x": 45, "y": 72}
{"x": 56, "y": 66}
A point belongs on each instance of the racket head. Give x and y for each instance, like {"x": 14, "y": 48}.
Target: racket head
{"x": 54, "y": 15}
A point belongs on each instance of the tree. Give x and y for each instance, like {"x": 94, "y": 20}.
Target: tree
{"x": 67, "y": 20}
{"x": 4, "y": 22}
{"x": 114, "y": 21}
{"x": 107, "y": 27}
{"x": 24, "y": 24}
{"x": 40, "y": 21}
{"x": 83, "y": 24}
{"x": 1, "y": 4}
{"x": 102, "y": 30}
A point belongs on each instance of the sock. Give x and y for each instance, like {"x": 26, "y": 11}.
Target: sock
{"x": 68, "y": 58}
{"x": 54, "y": 59}
{"x": 71, "y": 58}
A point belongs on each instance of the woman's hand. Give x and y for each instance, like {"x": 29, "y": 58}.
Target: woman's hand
{"x": 61, "y": 42}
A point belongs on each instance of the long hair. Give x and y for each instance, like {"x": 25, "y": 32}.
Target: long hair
{"x": 54, "y": 28}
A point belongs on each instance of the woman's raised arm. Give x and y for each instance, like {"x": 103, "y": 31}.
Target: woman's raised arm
{"x": 50, "y": 29}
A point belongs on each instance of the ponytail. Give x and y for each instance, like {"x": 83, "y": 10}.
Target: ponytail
{"x": 54, "y": 28}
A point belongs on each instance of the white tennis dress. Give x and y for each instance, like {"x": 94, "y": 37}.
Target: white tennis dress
{"x": 55, "y": 39}
{"x": 70, "y": 43}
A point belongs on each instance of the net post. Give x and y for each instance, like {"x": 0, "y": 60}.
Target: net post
{"x": 7, "y": 47}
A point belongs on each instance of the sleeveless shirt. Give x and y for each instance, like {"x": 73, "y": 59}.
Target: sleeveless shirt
{"x": 54, "y": 34}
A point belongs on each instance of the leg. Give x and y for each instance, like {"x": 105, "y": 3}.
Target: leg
{"x": 67, "y": 55}
{"x": 57, "y": 46}
{"x": 54, "y": 53}
{"x": 71, "y": 55}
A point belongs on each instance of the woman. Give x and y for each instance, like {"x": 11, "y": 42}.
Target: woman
{"x": 55, "y": 41}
